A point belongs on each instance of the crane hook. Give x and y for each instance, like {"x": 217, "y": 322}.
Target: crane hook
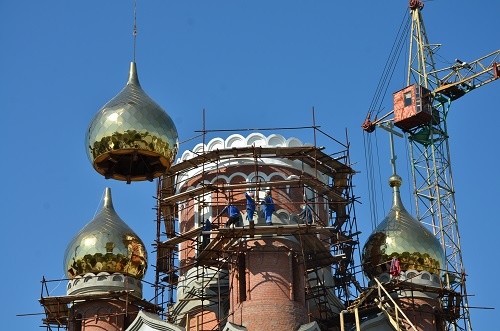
{"x": 368, "y": 125}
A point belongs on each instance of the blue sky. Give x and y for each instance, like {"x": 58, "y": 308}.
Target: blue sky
{"x": 249, "y": 64}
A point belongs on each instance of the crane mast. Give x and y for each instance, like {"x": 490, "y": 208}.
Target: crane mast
{"x": 420, "y": 61}
{"x": 431, "y": 170}
{"x": 420, "y": 111}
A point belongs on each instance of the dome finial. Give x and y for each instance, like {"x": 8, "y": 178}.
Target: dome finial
{"x": 395, "y": 181}
{"x": 133, "y": 78}
{"x": 108, "y": 202}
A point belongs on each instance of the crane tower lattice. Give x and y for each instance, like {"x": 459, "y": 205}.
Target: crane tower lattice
{"x": 420, "y": 112}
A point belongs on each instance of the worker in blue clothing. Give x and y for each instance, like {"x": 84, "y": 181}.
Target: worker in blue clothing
{"x": 269, "y": 208}
{"x": 233, "y": 213}
{"x": 306, "y": 214}
{"x": 250, "y": 206}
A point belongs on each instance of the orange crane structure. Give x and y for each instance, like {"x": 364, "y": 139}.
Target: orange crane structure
{"x": 420, "y": 112}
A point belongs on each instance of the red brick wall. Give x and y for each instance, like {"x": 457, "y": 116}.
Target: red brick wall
{"x": 273, "y": 279}
{"x": 275, "y": 295}
{"x": 102, "y": 315}
{"x": 202, "y": 321}
{"x": 421, "y": 313}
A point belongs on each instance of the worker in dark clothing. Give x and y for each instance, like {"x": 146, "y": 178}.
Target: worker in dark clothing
{"x": 207, "y": 226}
{"x": 306, "y": 214}
{"x": 250, "y": 206}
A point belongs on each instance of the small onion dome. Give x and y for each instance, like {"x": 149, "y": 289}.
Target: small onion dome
{"x": 401, "y": 236}
{"x": 131, "y": 138}
{"x": 106, "y": 244}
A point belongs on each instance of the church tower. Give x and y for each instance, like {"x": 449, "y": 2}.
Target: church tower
{"x": 265, "y": 271}
{"x": 131, "y": 138}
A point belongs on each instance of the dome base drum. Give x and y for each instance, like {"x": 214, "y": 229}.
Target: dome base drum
{"x": 131, "y": 165}
{"x": 104, "y": 282}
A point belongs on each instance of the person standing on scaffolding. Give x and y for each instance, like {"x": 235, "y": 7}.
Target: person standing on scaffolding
{"x": 250, "y": 206}
{"x": 268, "y": 207}
{"x": 233, "y": 213}
{"x": 207, "y": 226}
{"x": 306, "y": 214}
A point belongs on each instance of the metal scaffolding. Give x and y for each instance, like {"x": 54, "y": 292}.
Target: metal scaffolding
{"x": 60, "y": 310}
{"x": 331, "y": 242}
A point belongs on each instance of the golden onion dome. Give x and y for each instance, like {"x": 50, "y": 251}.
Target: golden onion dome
{"x": 106, "y": 244}
{"x": 131, "y": 138}
{"x": 401, "y": 236}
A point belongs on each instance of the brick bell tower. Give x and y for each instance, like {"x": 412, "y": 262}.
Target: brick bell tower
{"x": 259, "y": 271}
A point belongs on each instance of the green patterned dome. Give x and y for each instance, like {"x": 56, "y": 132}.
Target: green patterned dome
{"x": 401, "y": 236}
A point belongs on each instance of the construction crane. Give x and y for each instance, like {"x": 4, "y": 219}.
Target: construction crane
{"x": 419, "y": 114}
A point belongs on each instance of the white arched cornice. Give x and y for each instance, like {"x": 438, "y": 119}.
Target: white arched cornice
{"x": 256, "y": 139}
{"x": 276, "y": 140}
{"x": 276, "y": 173}
{"x": 215, "y": 144}
{"x": 265, "y": 177}
{"x": 236, "y": 174}
{"x": 237, "y": 140}
{"x": 294, "y": 142}
{"x": 249, "y": 178}
{"x": 200, "y": 149}
{"x": 186, "y": 155}
{"x": 219, "y": 178}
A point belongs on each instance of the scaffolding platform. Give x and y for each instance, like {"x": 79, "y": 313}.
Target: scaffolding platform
{"x": 316, "y": 251}
{"x": 57, "y": 311}
{"x": 328, "y": 191}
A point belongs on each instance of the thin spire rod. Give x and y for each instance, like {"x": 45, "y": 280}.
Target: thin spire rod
{"x": 135, "y": 27}
{"x": 393, "y": 153}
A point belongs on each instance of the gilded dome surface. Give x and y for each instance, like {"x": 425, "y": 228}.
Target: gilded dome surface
{"x": 108, "y": 244}
{"x": 401, "y": 236}
{"x": 131, "y": 138}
